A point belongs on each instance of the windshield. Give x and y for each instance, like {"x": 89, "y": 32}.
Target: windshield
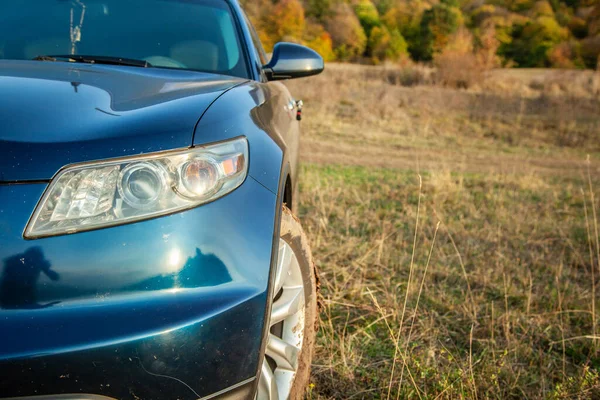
{"x": 187, "y": 34}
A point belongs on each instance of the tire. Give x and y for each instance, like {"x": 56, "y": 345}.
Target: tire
{"x": 291, "y": 384}
{"x": 295, "y": 198}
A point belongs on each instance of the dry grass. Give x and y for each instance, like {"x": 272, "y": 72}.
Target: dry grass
{"x": 455, "y": 262}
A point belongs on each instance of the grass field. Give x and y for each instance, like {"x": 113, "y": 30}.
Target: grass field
{"x": 456, "y": 234}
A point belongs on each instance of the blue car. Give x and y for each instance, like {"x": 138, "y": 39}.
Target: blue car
{"x": 148, "y": 173}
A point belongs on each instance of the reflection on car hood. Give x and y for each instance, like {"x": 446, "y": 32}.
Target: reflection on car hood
{"x": 58, "y": 113}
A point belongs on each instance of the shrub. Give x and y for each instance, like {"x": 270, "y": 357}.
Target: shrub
{"x": 520, "y": 5}
{"x": 398, "y": 48}
{"x": 319, "y": 9}
{"x": 285, "y": 21}
{"x": 384, "y": 45}
{"x": 457, "y": 65}
{"x": 409, "y": 74}
{"x": 437, "y": 25}
{"x": 347, "y": 35}
{"x": 533, "y": 41}
{"x": 487, "y": 47}
{"x": 594, "y": 21}
{"x": 566, "y": 55}
{"x": 590, "y": 51}
{"x": 317, "y": 38}
{"x": 405, "y": 18}
{"x": 484, "y": 13}
{"x": 367, "y": 15}
{"x": 542, "y": 9}
{"x": 578, "y": 27}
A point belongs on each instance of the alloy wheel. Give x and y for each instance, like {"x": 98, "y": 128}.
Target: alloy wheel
{"x": 286, "y": 328}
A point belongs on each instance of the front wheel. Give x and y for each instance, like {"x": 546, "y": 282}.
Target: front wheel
{"x": 285, "y": 370}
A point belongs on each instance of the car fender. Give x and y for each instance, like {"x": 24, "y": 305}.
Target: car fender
{"x": 253, "y": 110}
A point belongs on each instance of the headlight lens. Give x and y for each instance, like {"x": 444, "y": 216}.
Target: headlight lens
{"x": 141, "y": 185}
{"x": 102, "y": 194}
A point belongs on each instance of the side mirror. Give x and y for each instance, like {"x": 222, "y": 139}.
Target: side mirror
{"x": 291, "y": 61}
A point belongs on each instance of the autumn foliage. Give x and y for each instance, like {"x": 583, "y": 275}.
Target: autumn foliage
{"x": 521, "y": 33}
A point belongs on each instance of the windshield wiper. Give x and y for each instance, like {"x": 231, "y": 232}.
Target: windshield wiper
{"x": 96, "y": 60}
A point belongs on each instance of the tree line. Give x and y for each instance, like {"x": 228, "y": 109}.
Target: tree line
{"x": 509, "y": 33}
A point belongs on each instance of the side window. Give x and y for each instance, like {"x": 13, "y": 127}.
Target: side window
{"x": 260, "y": 51}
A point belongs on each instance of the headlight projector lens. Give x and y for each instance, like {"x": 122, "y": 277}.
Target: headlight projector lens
{"x": 200, "y": 177}
{"x": 142, "y": 184}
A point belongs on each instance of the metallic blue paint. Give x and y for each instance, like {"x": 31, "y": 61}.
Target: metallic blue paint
{"x": 61, "y": 113}
{"x": 251, "y": 106}
{"x": 172, "y": 307}
{"x": 291, "y": 60}
{"x": 184, "y": 294}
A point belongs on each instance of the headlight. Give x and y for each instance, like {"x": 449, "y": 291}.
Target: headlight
{"x": 106, "y": 193}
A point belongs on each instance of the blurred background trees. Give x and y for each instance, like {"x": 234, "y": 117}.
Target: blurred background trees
{"x": 513, "y": 33}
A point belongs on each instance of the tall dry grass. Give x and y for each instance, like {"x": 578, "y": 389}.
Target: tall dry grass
{"x": 456, "y": 235}
{"x": 496, "y": 124}
{"x": 468, "y": 287}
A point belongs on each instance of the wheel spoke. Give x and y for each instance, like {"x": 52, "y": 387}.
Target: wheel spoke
{"x": 287, "y": 313}
{"x": 290, "y": 302}
{"x": 267, "y": 385}
{"x": 284, "y": 354}
{"x": 283, "y": 266}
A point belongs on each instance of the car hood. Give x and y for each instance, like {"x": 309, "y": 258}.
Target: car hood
{"x": 58, "y": 113}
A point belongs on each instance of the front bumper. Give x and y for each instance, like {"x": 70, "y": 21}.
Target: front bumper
{"x": 242, "y": 391}
{"x": 167, "y": 308}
